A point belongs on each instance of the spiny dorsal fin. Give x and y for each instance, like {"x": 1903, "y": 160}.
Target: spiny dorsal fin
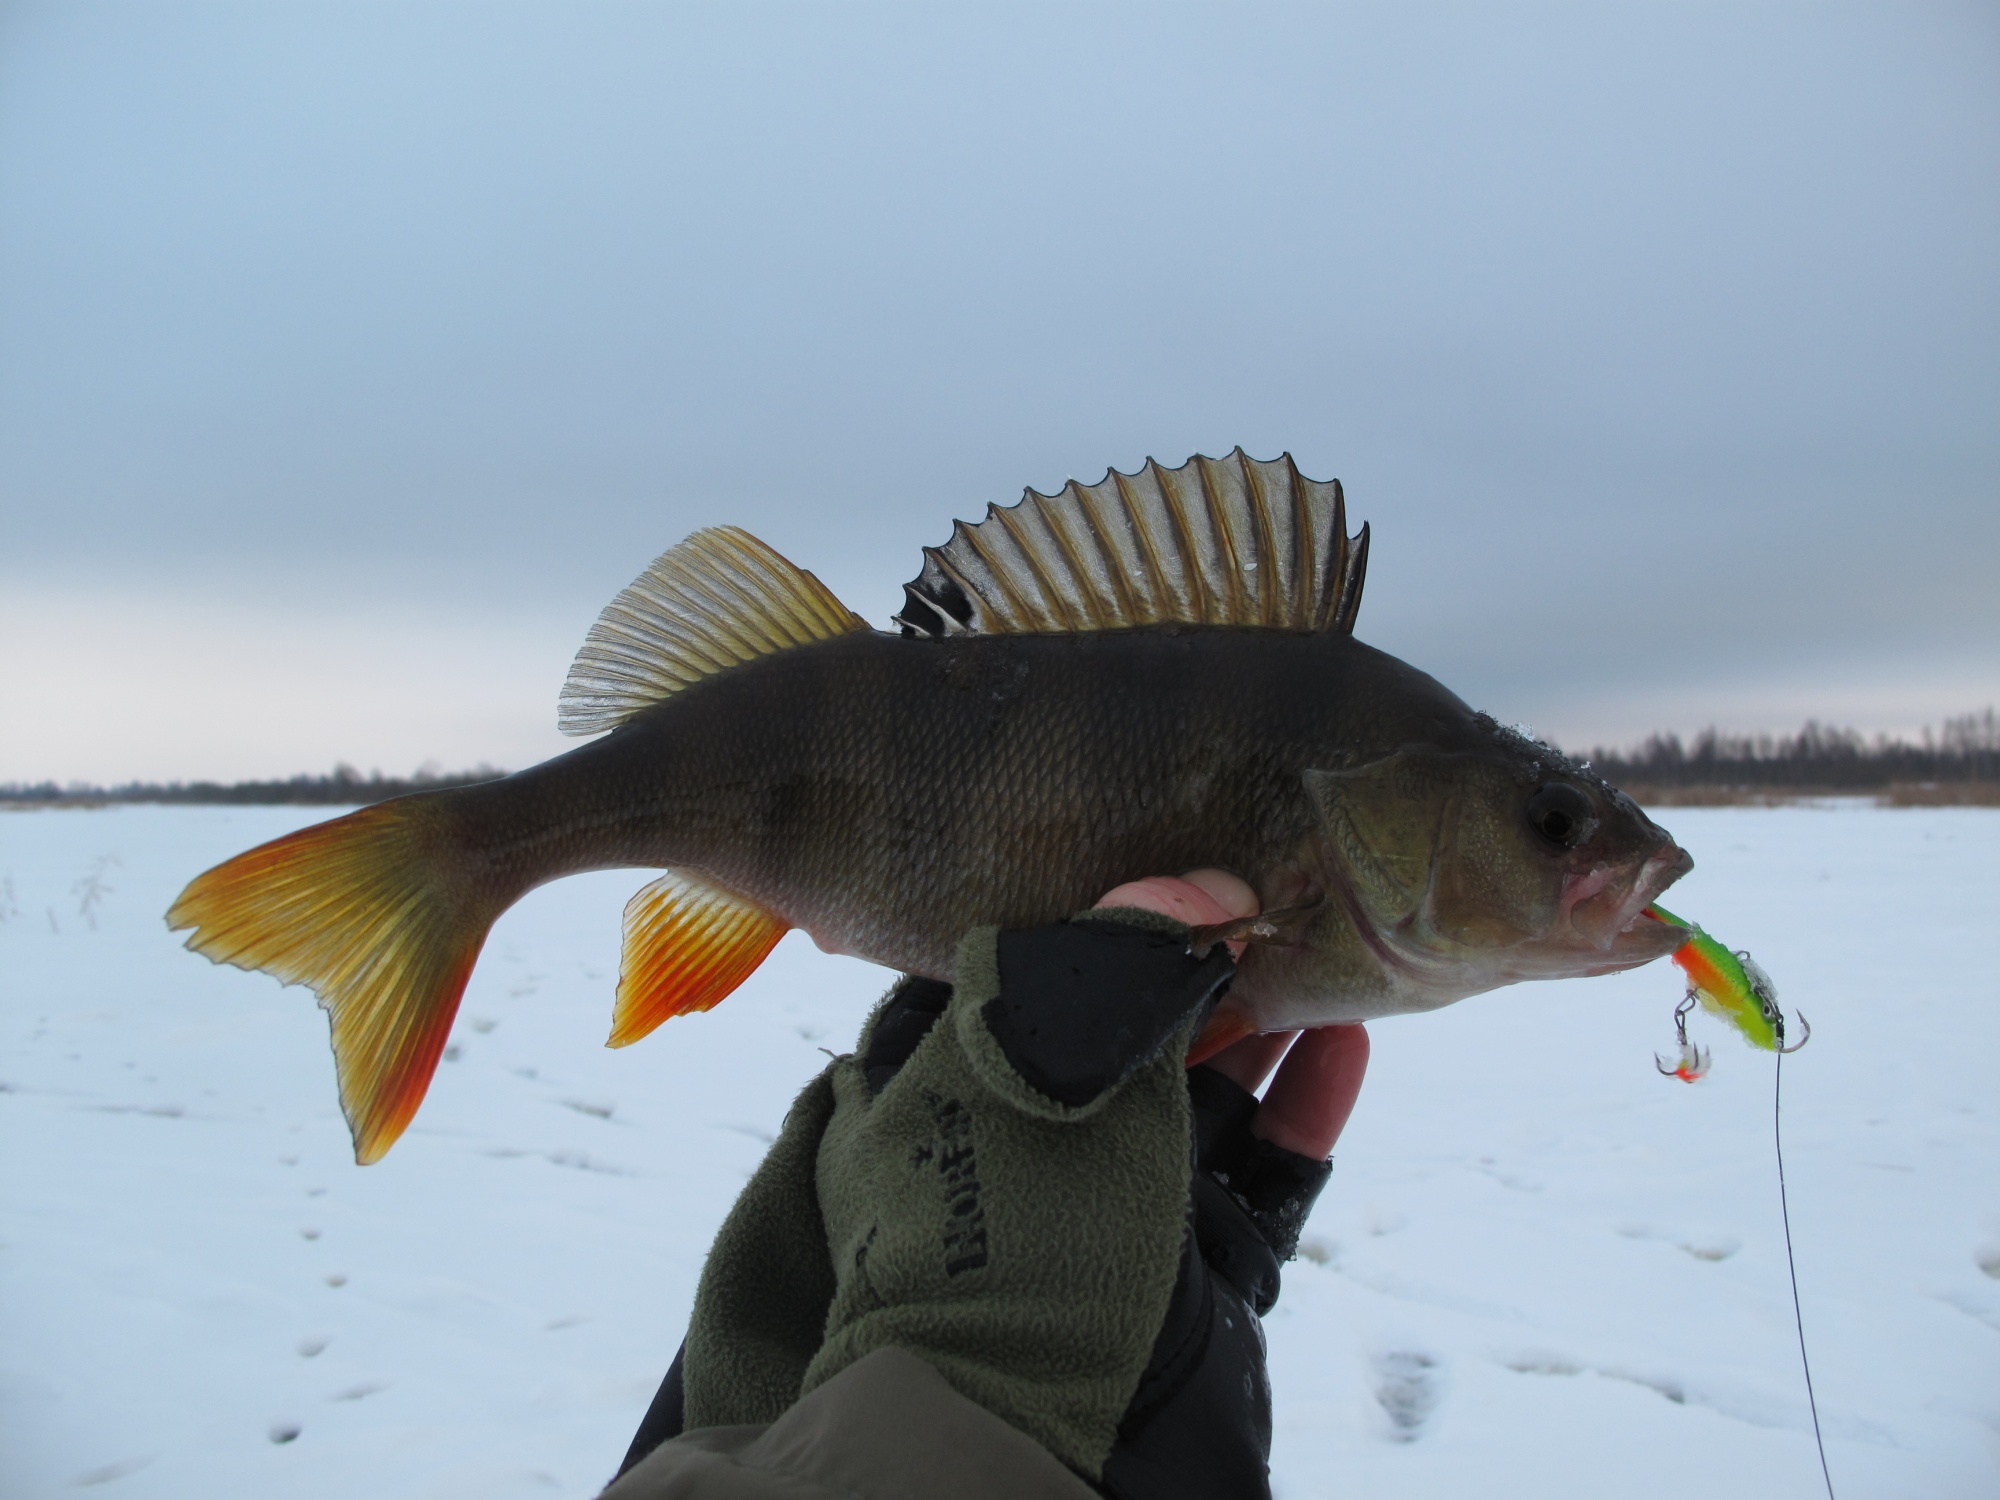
{"x": 1218, "y": 541}
{"x": 720, "y": 598}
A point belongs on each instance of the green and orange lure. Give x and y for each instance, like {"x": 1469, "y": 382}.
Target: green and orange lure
{"x": 1725, "y": 984}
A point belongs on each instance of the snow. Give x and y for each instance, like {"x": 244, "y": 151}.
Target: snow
{"x": 1541, "y": 1269}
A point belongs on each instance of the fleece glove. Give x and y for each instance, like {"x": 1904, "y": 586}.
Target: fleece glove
{"x": 1016, "y": 1180}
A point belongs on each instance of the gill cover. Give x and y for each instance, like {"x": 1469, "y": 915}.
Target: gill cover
{"x": 1386, "y": 820}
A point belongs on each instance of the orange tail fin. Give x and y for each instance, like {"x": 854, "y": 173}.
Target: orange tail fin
{"x": 369, "y": 913}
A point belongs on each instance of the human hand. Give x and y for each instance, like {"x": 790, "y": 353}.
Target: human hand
{"x": 999, "y": 1183}
{"x": 1319, "y": 1077}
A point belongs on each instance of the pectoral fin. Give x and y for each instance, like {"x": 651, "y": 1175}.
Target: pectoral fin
{"x": 688, "y": 944}
{"x": 1225, "y": 1028}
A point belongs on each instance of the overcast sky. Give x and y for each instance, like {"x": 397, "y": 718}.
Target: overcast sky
{"x": 353, "y": 356}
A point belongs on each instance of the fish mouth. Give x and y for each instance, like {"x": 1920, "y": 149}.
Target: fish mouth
{"x": 1606, "y": 908}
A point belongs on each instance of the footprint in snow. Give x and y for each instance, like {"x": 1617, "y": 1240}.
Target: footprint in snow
{"x": 1408, "y": 1388}
{"x": 310, "y": 1348}
{"x": 1543, "y": 1364}
{"x": 580, "y": 1162}
{"x": 110, "y": 1472}
{"x": 1720, "y": 1248}
{"x": 1709, "y": 1247}
{"x": 283, "y": 1432}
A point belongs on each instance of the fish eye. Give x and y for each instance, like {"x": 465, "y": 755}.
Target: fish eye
{"x": 1561, "y": 814}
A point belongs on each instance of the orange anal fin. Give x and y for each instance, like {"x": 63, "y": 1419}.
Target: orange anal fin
{"x": 687, "y": 945}
{"x": 1225, "y": 1028}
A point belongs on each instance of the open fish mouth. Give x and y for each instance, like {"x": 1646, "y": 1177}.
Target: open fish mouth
{"x": 1606, "y": 908}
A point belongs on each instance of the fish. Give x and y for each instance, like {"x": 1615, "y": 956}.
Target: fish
{"x": 1148, "y": 674}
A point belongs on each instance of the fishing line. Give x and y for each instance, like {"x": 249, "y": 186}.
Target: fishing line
{"x": 1737, "y": 989}
{"x": 1784, "y": 1208}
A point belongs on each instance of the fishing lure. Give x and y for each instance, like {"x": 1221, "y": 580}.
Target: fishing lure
{"x": 1730, "y": 985}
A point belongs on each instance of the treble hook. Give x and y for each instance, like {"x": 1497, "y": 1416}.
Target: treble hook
{"x": 1805, "y": 1026}
{"x": 1693, "y": 1061}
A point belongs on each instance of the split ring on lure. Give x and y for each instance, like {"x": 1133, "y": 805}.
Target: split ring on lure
{"x": 1725, "y": 984}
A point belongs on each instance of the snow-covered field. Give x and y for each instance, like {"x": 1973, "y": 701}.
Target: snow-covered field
{"x": 1541, "y": 1269}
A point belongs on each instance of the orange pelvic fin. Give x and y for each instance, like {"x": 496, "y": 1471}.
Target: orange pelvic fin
{"x": 687, "y": 945}
{"x": 1224, "y": 1028}
{"x": 366, "y": 912}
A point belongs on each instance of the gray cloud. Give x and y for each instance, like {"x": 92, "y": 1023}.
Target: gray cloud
{"x": 1661, "y": 345}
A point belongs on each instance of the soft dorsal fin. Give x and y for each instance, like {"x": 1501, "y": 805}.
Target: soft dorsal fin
{"x": 721, "y": 597}
{"x": 1218, "y": 541}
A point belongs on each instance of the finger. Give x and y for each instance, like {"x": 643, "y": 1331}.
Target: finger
{"x": 1309, "y": 1101}
{"x": 1249, "y": 1062}
{"x": 1170, "y": 896}
{"x": 1199, "y": 898}
{"x": 1231, "y": 892}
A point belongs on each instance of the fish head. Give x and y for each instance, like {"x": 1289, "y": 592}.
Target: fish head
{"x": 1495, "y": 860}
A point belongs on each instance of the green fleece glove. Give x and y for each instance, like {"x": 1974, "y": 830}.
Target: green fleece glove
{"x": 1018, "y": 1181}
{"x": 1023, "y": 1233}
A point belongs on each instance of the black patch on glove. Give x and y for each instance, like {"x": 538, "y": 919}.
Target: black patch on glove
{"x": 1277, "y": 1188}
{"x": 1084, "y": 1005}
{"x": 1274, "y": 1189}
{"x": 906, "y": 1020}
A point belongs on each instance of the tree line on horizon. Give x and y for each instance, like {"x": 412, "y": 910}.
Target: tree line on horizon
{"x": 344, "y": 786}
{"x": 1819, "y": 758}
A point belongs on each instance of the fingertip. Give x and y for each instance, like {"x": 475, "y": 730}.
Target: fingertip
{"x": 1170, "y": 896}
{"x": 1232, "y": 893}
